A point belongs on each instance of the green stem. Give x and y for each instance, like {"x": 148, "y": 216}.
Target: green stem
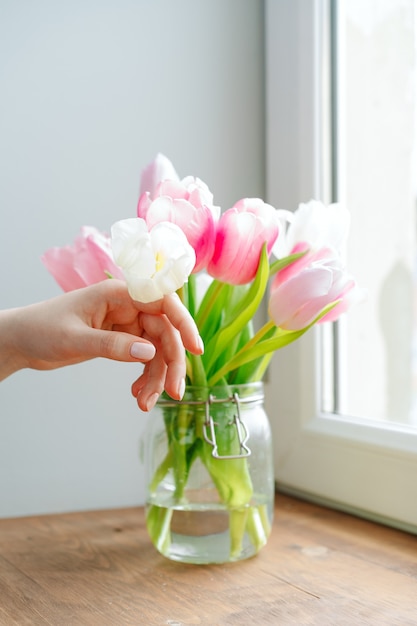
{"x": 258, "y": 526}
{"x": 182, "y": 296}
{"x": 237, "y": 525}
{"x": 281, "y": 263}
{"x": 180, "y": 425}
{"x": 266, "y": 328}
{"x": 191, "y": 289}
{"x": 196, "y": 371}
{"x": 158, "y": 523}
{"x": 259, "y": 371}
{"x": 207, "y": 303}
{"x": 162, "y": 471}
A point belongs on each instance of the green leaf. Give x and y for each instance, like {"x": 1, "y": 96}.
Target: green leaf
{"x": 258, "y": 350}
{"x": 250, "y": 372}
{"x": 244, "y": 312}
{"x": 206, "y": 305}
{"x": 212, "y": 310}
{"x": 280, "y": 339}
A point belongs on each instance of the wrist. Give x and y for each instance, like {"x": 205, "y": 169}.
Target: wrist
{"x": 11, "y": 360}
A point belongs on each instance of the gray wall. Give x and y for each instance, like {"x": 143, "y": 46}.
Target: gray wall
{"x": 90, "y": 91}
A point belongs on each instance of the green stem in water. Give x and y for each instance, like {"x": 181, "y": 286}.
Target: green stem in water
{"x": 158, "y": 523}
{"x": 258, "y": 526}
{"x": 180, "y": 426}
{"x": 162, "y": 470}
{"x": 237, "y": 525}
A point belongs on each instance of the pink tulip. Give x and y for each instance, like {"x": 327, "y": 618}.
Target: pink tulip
{"x": 188, "y": 204}
{"x": 241, "y": 233}
{"x": 158, "y": 170}
{"x": 89, "y": 260}
{"x": 301, "y": 291}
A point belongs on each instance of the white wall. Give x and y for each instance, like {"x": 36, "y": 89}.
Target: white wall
{"x": 90, "y": 91}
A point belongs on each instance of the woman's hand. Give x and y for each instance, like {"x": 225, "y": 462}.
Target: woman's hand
{"x": 103, "y": 321}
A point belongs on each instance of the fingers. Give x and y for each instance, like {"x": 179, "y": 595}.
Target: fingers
{"x": 156, "y": 334}
{"x": 180, "y": 318}
{"x": 118, "y": 346}
{"x": 148, "y": 387}
{"x": 167, "y": 369}
{"x": 170, "y": 352}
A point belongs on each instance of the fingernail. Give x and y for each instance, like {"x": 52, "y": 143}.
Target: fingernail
{"x": 181, "y": 389}
{"x": 152, "y": 400}
{"x": 143, "y": 351}
{"x": 201, "y": 344}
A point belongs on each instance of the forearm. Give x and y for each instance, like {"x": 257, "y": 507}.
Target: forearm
{"x": 11, "y": 360}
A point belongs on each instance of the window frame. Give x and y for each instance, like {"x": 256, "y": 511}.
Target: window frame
{"x": 357, "y": 465}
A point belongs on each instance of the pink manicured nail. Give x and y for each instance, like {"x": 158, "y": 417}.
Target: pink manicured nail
{"x": 152, "y": 400}
{"x": 142, "y": 351}
{"x": 181, "y": 389}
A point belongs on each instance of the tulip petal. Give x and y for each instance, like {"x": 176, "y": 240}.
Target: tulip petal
{"x": 60, "y": 263}
{"x": 158, "y": 170}
{"x": 294, "y": 303}
{"x": 87, "y": 261}
{"x": 241, "y": 233}
{"x": 316, "y": 226}
{"x": 155, "y": 262}
{"x": 188, "y": 204}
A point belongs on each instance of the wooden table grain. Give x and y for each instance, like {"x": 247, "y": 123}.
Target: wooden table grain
{"x": 99, "y": 568}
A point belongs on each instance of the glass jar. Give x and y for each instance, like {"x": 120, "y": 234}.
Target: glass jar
{"x": 209, "y": 471}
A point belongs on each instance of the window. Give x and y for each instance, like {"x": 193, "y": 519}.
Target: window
{"x": 378, "y": 176}
{"x": 341, "y": 95}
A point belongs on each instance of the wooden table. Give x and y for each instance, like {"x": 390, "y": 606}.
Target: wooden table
{"x": 319, "y": 567}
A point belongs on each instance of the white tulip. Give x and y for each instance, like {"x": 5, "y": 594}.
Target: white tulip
{"x": 155, "y": 263}
{"x": 315, "y": 224}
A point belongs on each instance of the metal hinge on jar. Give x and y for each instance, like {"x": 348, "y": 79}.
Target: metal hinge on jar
{"x": 241, "y": 429}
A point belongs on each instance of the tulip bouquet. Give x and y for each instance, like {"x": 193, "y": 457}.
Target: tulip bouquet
{"x": 222, "y": 265}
